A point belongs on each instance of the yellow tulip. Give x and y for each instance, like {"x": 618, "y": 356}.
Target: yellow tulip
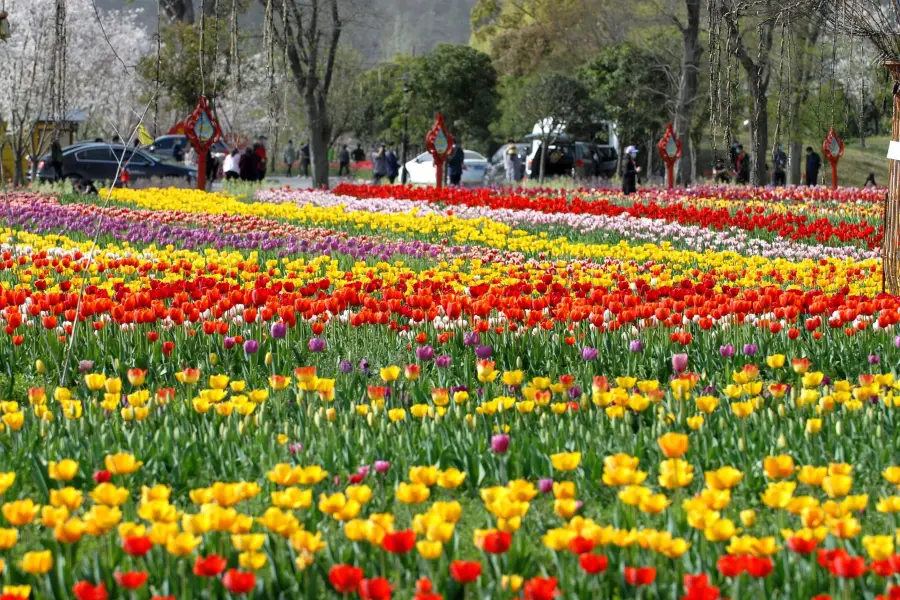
{"x": 95, "y": 381}
{"x": 122, "y": 463}
{"x": 182, "y": 544}
{"x": 64, "y": 470}
{"x": 20, "y": 512}
{"x": 37, "y": 563}
{"x": 430, "y": 550}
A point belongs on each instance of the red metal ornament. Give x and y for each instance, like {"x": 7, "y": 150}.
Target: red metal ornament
{"x": 439, "y": 143}
{"x": 833, "y": 149}
{"x": 670, "y": 150}
{"x": 202, "y": 130}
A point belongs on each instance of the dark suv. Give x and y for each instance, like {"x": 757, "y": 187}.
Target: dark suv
{"x": 581, "y": 160}
{"x": 86, "y": 164}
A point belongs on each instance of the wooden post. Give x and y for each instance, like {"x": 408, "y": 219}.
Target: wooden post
{"x": 890, "y": 254}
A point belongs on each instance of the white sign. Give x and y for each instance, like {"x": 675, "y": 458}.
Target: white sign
{"x": 894, "y": 151}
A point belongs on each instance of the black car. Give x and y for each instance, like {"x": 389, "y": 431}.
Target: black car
{"x": 86, "y": 164}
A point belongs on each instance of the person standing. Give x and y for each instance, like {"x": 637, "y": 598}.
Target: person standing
{"x": 177, "y": 152}
{"x": 720, "y": 172}
{"x": 290, "y": 156}
{"x": 56, "y": 159}
{"x": 190, "y": 157}
{"x": 813, "y": 163}
{"x": 247, "y": 164}
{"x": 344, "y": 167}
{"x": 261, "y": 162}
{"x": 630, "y": 171}
{"x": 379, "y": 164}
{"x": 359, "y": 154}
{"x": 304, "y": 159}
{"x": 230, "y": 168}
{"x": 393, "y": 166}
{"x": 456, "y": 163}
{"x": 779, "y": 159}
{"x": 511, "y": 162}
{"x": 742, "y": 166}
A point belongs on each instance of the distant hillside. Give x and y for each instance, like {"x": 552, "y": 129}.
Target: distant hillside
{"x": 395, "y": 26}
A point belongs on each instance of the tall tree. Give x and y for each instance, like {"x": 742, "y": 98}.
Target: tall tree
{"x": 805, "y": 32}
{"x": 688, "y": 87}
{"x": 309, "y": 33}
{"x": 737, "y": 17}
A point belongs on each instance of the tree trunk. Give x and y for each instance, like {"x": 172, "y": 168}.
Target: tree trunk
{"x": 692, "y": 156}
{"x": 318, "y": 143}
{"x": 759, "y": 133}
{"x": 794, "y": 161}
{"x": 890, "y": 251}
{"x": 687, "y": 90}
{"x": 543, "y": 163}
{"x": 179, "y": 11}
{"x": 19, "y": 172}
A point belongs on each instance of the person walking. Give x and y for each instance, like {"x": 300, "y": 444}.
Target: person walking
{"x": 379, "y": 164}
{"x": 304, "y": 159}
{"x": 56, "y": 159}
{"x": 813, "y": 163}
{"x": 630, "y": 171}
{"x": 262, "y": 157}
{"x": 742, "y": 166}
{"x": 511, "y": 162}
{"x": 290, "y": 156}
{"x": 231, "y": 168}
{"x": 456, "y": 163}
{"x": 779, "y": 159}
{"x": 247, "y": 164}
{"x": 393, "y": 166}
{"x": 344, "y": 158}
{"x": 359, "y": 154}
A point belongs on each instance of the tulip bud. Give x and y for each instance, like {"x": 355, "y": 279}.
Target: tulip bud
{"x": 213, "y": 358}
{"x": 781, "y": 442}
{"x": 519, "y": 362}
{"x": 878, "y": 431}
{"x": 268, "y": 359}
{"x": 241, "y": 428}
{"x": 353, "y": 407}
{"x": 838, "y": 428}
{"x": 748, "y": 517}
{"x": 116, "y": 364}
{"x": 470, "y": 421}
{"x": 585, "y": 401}
{"x": 331, "y": 414}
{"x": 370, "y": 419}
{"x": 437, "y": 419}
{"x": 781, "y": 410}
{"x": 771, "y": 414}
{"x": 317, "y": 420}
{"x": 741, "y": 444}
{"x": 39, "y": 366}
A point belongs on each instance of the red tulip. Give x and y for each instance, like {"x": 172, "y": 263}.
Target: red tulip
{"x": 759, "y": 567}
{"x": 730, "y": 565}
{"x": 640, "y": 575}
{"x": 399, "y": 542}
{"x": 465, "y": 571}
{"x": 345, "y": 578}
{"x": 377, "y": 588}
{"x": 137, "y": 546}
{"x": 801, "y": 545}
{"x": 893, "y": 594}
{"x": 580, "y": 545}
{"x": 826, "y": 558}
{"x": 162, "y": 598}
{"x": 209, "y": 566}
{"x": 593, "y": 563}
{"x": 882, "y": 568}
{"x": 83, "y": 590}
{"x": 497, "y": 542}
{"x": 102, "y": 476}
{"x": 540, "y": 588}
{"x": 848, "y": 567}
{"x": 239, "y": 582}
{"x": 131, "y": 580}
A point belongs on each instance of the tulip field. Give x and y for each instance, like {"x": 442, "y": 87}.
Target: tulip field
{"x": 411, "y": 393}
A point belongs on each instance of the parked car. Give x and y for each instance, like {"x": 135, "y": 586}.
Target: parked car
{"x": 496, "y": 171}
{"x": 87, "y": 164}
{"x": 421, "y": 168}
{"x": 164, "y": 147}
{"x": 581, "y": 160}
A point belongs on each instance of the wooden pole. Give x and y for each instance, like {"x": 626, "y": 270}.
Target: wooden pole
{"x": 891, "y": 257}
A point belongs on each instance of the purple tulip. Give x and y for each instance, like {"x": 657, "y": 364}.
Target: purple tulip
{"x": 471, "y": 338}
{"x": 278, "y": 330}
{"x": 636, "y": 346}
{"x": 346, "y": 367}
{"x": 483, "y": 352}
{"x": 897, "y": 341}
{"x": 589, "y": 354}
{"x": 364, "y": 366}
{"x": 443, "y": 361}
{"x": 425, "y": 353}
{"x": 458, "y": 388}
{"x": 229, "y": 342}
{"x": 726, "y": 351}
{"x": 295, "y": 448}
{"x": 679, "y": 362}
{"x": 381, "y": 466}
{"x": 316, "y": 345}
{"x": 750, "y": 349}
{"x": 251, "y": 346}
{"x": 874, "y": 359}
{"x": 545, "y": 485}
{"x": 500, "y": 443}
{"x": 85, "y": 365}
{"x": 574, "y": 392}
{"x": 363, "y": 470}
